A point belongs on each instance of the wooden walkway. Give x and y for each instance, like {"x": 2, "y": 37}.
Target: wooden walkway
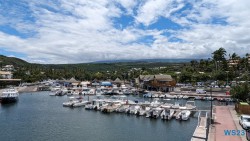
{"x": 200, "y": 133}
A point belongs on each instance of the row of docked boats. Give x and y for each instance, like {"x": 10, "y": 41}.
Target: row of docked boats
{"x": 92, "y": 91}
{"x": 181, "y": 96}
{"x": 120, "y": 104}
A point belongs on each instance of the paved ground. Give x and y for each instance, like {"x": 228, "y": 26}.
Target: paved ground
{"x": 226, "y": 118}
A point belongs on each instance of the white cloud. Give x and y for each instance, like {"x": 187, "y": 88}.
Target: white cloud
{"x": 83, "y": 31}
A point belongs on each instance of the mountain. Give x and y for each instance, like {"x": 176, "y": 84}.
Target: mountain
{"x": 4, "y": 60}
{"x": 148, "y": 61}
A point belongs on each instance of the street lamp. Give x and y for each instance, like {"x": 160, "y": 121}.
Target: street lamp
{"x": 211, "y": 105}
{"x": 227, "y": 77}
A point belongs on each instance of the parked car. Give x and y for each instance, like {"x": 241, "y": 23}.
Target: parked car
{"x": 200, "y": 91}
{"x": 245, "y": 121}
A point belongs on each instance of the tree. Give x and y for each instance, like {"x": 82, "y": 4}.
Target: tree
{"x": 240, "y": 92}
{"x": 219, "y": 55}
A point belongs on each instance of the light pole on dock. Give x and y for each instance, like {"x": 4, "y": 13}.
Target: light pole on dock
{"x": 211, "y": 106}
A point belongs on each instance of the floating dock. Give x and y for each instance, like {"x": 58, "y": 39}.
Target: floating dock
{"x": 200, "y": 133}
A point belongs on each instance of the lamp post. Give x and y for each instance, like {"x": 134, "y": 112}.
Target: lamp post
{"x": 227, "y": 77}
{"x": 211, "y": 106}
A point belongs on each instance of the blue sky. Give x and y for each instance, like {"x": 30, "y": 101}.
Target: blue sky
{"x": 73, "y": 31}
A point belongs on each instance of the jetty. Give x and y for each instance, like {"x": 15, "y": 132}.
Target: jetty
{"x": 200, "y": 133}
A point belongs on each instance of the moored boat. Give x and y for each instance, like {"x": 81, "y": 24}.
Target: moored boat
{"x": 9, "y": 96}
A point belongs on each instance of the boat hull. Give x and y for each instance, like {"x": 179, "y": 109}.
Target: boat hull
{"x": 7, "y": 100}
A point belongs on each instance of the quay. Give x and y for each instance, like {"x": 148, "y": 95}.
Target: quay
{"x": 226, "y": 118}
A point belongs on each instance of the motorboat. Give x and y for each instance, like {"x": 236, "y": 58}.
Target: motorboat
{"x": 156, "y": 112}
{"x": 176, "y": 105}
{"x": 143, "y": 110}
{"x": 111, "y": 107}
{"x": 166, "y": 105}
{"x": 70, "y": 102}
{"x": 185, "y": 97}
{"x": 149, "y": 113}
{"x": 89, "y": 106}
{"x": 183, "y": 115}
{"x": 122, "y": 108}
{"x": 80, "y": 103}
{"x": 137, "y": 110}
{"x": 167, "y": 114}
{"x": 190, "y": 105}
{"x": 9, "y": 96}
{"x": 155, "y": 103}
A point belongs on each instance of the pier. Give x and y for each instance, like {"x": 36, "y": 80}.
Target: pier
{"x": 200, "y": 133}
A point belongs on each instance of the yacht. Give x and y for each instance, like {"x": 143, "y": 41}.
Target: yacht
{"x": 9, "y": 96}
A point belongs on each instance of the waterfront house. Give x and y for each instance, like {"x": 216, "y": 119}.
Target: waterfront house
{"x": 117, "y": 82}
{"x": 6, "y": 74}
{"x": 160, "y": 82}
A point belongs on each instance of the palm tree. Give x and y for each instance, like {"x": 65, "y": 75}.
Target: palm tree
{"x": 219, "y": 57}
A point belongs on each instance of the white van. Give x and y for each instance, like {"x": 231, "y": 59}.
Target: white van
{"x": 200, "y": 91}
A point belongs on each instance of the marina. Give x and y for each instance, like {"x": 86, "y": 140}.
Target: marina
{"x": 49, "y": 119}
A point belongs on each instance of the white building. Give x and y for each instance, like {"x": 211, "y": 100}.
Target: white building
{"x": 6, "y": 75}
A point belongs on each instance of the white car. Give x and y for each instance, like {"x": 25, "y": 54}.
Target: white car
{"x": 200, "y": 91}
{"x": 245, "y": 121}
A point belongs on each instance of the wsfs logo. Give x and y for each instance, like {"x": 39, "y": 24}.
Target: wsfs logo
{"x": 234, "y": 132}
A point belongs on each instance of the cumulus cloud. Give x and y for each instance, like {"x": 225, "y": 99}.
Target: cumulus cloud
{"x": 85, "y": 31}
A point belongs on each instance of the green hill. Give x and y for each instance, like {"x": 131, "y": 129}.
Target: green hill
{"x": 4, "y": 60}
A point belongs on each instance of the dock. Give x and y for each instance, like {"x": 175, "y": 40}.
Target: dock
{"x": 200, "y": 133}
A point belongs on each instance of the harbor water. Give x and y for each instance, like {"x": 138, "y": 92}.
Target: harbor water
{"x": 40, "y": 117}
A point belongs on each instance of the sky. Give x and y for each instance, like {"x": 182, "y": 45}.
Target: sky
{"x": 80, "y": 31}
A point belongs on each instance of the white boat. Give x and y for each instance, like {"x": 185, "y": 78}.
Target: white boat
{"x": 185, "y": 97}
{"x": 89, "y": 106}
{"x": 9, "y": 96}
{"x": 190, "y": 105}
{"x": 137, "y": 110}
{"x": 98, "y": 103}
{"x": 176, "y": 105}
{"x": 122, "y": 108}
{"x": 155, "y": 103}
{"x": 167, "y": 114}
{"x": 183, "y": 115}
{"x": 170, "y": 96}
{"x": 71, "y": 101}
{"x": 149, "y": 113}
{"x": 167, "y": 105}
{"x": 156, "y": 112}
{"x": 143, "y": 111}
{"x": 80, "y": 103}
{"x": 111, "y": 107}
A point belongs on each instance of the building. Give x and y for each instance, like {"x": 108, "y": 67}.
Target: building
{"x": 6, "y": 75}
{"x": 233, "y": 62}
{"x": 157, "y": 82}
{"x": 8, "y": 68}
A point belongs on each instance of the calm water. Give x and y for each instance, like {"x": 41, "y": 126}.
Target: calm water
{"x": 40, "y": 117}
